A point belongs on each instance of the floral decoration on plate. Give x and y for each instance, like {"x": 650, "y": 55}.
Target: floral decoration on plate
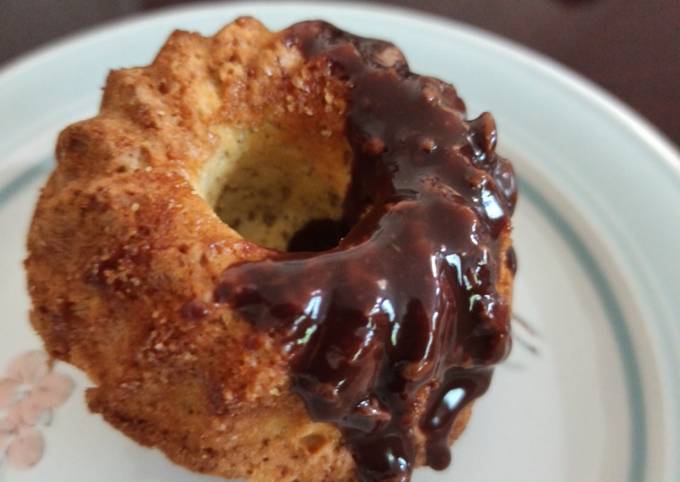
{"x": 30, "y": 390}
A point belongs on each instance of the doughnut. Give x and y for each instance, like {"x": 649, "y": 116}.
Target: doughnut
{"x": 279, "y": 256}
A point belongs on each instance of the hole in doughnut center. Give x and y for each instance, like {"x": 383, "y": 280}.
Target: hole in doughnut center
{"x": 279, "y": 189}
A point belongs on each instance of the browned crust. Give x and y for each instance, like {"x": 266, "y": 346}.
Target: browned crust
{"x": 120, "y": 241}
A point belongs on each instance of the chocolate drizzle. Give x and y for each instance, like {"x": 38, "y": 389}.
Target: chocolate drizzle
{"x": 395, "y": 329}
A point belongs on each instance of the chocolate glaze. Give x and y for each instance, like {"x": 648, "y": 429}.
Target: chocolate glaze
{"x": 318, "y": 235}
{"x": 395, "y": 329}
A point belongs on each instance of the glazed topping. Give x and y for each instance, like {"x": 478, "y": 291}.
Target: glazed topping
{"x": 396, "y": 328}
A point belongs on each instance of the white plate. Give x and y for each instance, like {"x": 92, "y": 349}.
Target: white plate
{"x": 597, "y": 234}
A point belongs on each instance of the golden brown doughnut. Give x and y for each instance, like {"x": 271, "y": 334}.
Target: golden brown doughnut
{"x": 157, "y": 255}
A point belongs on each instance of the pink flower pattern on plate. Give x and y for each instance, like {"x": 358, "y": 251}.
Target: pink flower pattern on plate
{"x": 29, "y": 392}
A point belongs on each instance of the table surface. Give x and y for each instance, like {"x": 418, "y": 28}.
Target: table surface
{"x": 630, "y": 47}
